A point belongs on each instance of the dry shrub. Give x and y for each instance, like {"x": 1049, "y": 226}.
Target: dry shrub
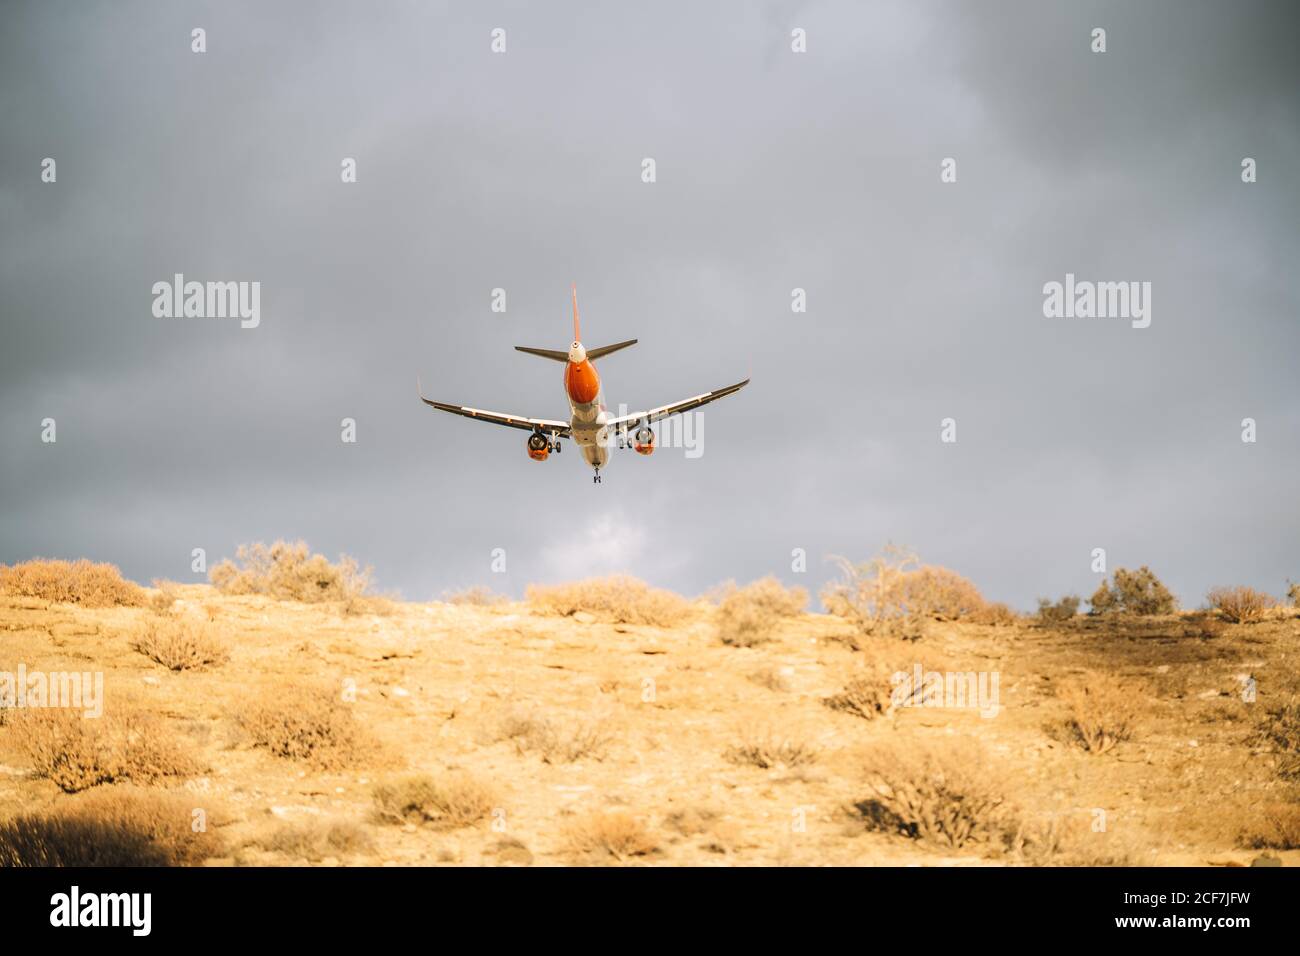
{"x": 476, "y": 596}
{"x": 943, "y": 793}
{"x": 770, "y": 678}
{"x": 1276, "y": 828}
{"x": 893, "y": 591}
{"x": 554, "y": 744}
{"x": 1240, "y": 605}
{"x": 290, "y": 572}
{"x": 1058, "y": 613}
{"x": 509, "y": 851}
{"x": 617, "y": 599}
{"x": 1134, "y": 592}
{"x": 166, "y": 594}
{"x": 749, "y": 616}
{"x": 1070, "y": 842}
{"x": 118, "y": 826}
{"x": 308, "y": 724}
{"x": 448, "y": 802}
{"x": 1293, "y": 592}
{"x": 996, "y": 614}
{"x": 316, "y": 841}
{"x": 767, "y": 750}
{"x": 77, "y": 752}
{"x": 181, "y": 645}
{"x": 360, "y": 605}
{"x": 71, "y": 582}
{"x": 619, "y": 835}
{"x": 692, "y": 821}
{"x": 1103, "y": 710}
{"x": 1280, "y": 731}
{"x": 868, "y": 696}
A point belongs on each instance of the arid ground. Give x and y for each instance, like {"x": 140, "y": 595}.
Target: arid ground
{"x": 529, "y": 736}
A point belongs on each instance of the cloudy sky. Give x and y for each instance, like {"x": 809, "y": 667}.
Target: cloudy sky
{"x": 775, "y": 171}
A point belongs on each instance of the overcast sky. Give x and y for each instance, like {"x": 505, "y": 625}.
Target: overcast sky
{"x": 775, "y": 170}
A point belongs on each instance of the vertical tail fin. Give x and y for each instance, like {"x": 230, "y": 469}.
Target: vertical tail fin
{"x": 577, "y": 332}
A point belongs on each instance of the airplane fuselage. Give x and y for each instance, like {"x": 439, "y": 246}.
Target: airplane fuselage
{"x": 587, "y": 412}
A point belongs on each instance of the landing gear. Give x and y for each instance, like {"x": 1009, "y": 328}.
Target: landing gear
{"x": 596, "y": 478}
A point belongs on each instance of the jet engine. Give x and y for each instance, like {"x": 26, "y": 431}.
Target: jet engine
{"x": 538, "y": 447}
{"x": 645, "y": 441}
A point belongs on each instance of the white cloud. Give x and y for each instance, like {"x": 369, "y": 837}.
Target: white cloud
{"x": 609, "y": 544}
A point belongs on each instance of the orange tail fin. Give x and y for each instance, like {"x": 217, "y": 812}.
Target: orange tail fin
{"x": 577, "y": 332}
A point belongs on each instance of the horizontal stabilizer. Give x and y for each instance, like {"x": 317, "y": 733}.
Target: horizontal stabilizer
{"x": 606, "y": 349}
{"x": 554, "y": 355}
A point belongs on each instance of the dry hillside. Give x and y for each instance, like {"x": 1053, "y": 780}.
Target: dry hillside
{"x": 613, "y": 724}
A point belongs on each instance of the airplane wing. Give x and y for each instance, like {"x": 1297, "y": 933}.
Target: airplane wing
{"x": 663, "y": 411}
{"x": 556, "y": 428}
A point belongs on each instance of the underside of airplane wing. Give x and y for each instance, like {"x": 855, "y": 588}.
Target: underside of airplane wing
{"x": 686, "y": 405}
{"x": 549, "y": 426}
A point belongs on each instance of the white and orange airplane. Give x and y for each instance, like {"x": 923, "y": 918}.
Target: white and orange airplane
{"x": 590, "y": 425}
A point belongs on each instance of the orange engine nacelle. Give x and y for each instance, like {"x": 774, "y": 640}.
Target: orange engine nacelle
{"x": 645, "y": 441}
{"x": 538, "y": 447}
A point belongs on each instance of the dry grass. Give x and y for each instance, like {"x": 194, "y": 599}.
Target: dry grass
{"x": 1280, "y": 731}
{"x": 768, "y": 750}
{"x": 1276, "y": 828}
{"x": 311, "y": 725}
{"x": 1134, "y": 592}
{"x": 360, "y": 605}
{"x": 616, "y": 600}
{"x": 750, "y": 615}
{"x": 693, "y": 821}
{"x": 317, "y": 841}
{"x": 112, "y": 827}
{"x": 77, "y": 752}
{"x": 942, "y": 793}
{"x": 1059, "y": 612}
{"x": 449, "y": 802}
{"x": 290, "y": 572}
{"x": 994, "y": 613}
{"x": 1241, "y": 605}
{"x": 1103, "y": 710}
{"x": 893, "y": 594}
{"x": 476, "y": 596}
{"x": 1070, "y": 842}
{"x": 71, "y": 582}
{"x": 180, "y": 644}
{"x": 166, "y": 594}
{"x": 554, "y": 744}
{"x": 618, "y": 835}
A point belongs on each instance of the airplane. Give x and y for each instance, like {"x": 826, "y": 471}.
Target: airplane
{"x": 590, "y": 424}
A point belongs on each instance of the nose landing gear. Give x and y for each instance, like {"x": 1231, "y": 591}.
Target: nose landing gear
{"x": 596, "y": 478}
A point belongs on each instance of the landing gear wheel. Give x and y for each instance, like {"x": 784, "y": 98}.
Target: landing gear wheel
{"x": 596, "y": 477}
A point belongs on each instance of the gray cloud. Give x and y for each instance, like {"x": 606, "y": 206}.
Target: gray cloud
{"x": 775, "y": 171}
